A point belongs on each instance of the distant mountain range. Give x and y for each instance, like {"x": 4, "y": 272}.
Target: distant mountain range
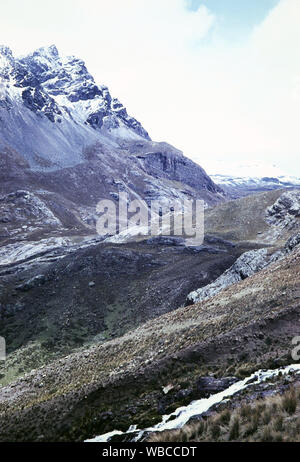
{"x": 243, "y": 186}
{"x": 242, "y": 180}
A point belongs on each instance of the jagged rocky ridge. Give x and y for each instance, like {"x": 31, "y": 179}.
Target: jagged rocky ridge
{"x": 246, "y": 265}
{"x": 58, "y": 87}
{"x": 63, "y": 133}
{"x": 281, "y": 214}
{"x": 285, "y": 209}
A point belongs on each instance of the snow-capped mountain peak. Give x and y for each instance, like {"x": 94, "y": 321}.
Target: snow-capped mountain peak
{"x": 48, "y": 52}
{"x": 6, "y": 58}
{"x": 58, "y": 86}
{"x": 58, "y": 104}
{"x": 61, "y": 130}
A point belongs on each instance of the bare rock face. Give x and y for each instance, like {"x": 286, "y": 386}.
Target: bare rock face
{"x": 285, "y": 209}
{"x": 51, "y": 108}
{"x": 246, "y": 265}
{"x": 55, "y": 85}
{"x": 282, "y": 215}
{"x": 179, "y": 169}
{"x": 21, "y": 206}
{"x": 292, "y": 243}
{"x": 62, "y": 132}
{"x": 208, "y": 386}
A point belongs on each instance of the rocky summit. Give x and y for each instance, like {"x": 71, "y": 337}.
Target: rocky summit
{"x": 62, "y": 88}
{"x": 63, "y": 133}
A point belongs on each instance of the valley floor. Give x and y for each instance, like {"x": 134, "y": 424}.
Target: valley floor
{"x": 136, "y": 377}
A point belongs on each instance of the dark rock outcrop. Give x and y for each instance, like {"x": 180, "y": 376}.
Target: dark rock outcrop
{"x": 207, "y": 386}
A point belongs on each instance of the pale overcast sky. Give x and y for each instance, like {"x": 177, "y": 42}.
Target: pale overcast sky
{"x": 219, "y": 79}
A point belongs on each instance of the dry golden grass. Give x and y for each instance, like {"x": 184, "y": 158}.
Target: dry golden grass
{"x": 268, "y": 299}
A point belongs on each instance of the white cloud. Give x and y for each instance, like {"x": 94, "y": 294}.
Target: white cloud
{"x": 210, "y": 98}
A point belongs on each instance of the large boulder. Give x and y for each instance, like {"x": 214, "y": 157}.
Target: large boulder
{"x": 293, "y": 242}
{"x": 285, "y": 209}
{"x": 208, "y": 386}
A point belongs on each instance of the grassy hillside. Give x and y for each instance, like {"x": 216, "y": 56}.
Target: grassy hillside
{"x": 246, "y": 327}
{"x": 102, "y": 291}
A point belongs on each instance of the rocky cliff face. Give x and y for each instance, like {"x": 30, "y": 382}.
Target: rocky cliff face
{"x": 51, "y": 110}
{"x": 282, "y": 217}
{"x": 285, "y": 209}
{"x": 246, "y": 265}
{"x": 59, "y": 88}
